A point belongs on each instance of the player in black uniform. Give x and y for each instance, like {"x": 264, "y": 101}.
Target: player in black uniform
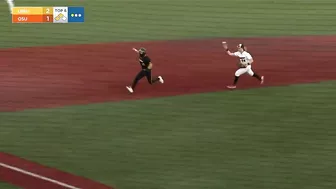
{"x": 146, "y": 70}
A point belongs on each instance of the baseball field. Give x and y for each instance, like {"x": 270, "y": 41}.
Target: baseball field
{"x": 67, "y": 120}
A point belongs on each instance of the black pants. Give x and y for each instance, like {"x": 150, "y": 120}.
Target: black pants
{"x": 144, "y": 73}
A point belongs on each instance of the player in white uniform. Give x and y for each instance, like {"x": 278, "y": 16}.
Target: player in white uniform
{"x": 245, "y": 64}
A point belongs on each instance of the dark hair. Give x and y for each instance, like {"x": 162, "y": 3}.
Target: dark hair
{"x": 241, "y": 46}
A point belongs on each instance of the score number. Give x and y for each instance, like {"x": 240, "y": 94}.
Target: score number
{"x": 47, "y": 11}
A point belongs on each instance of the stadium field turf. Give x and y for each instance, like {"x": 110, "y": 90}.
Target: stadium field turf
{"x": 67, "y": 121}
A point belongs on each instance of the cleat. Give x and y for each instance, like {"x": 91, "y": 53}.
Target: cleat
{"x": 129, "y": 89}
{"x": 231, "y": 87}
{"x": 161, "y": 79}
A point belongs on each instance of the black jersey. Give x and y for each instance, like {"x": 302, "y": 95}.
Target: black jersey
{"x": 144, "y": 62}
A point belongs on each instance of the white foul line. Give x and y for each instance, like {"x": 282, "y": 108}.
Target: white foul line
{"x": 10, "y": 5}
{"x": 37, "y": 176}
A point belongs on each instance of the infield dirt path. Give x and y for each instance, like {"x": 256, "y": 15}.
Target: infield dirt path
{"x": 79, "y": 74}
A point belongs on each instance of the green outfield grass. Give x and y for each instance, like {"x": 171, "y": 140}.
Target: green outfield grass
{"x": 130, "y": 20}
{"x": 274, "y": 140}
{"x": 7, "y": 186}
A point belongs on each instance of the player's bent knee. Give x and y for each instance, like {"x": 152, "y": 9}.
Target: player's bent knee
{"x": 237, "y": 74}
{"x": 250, "y": 72}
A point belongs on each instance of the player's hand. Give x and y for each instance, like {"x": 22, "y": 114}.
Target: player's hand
{"x": 136, "y": 50}
{"x": 225, "y": 45}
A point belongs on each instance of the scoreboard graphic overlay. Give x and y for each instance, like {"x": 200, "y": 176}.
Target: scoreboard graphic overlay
{"x": 48, "y": 15}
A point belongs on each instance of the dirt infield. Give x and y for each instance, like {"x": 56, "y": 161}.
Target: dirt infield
{"x": 82, "y": 74}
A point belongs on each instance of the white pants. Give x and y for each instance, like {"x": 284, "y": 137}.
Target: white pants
{"x": 242, "y": 71}
{"x": 10, "y": 5}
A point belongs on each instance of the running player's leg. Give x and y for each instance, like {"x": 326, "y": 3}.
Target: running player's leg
{"x": 149, "y": 77}
{"x": 253, "y": 74}
{"x": 238, "y": 73}
{"x": 137, "y": 78}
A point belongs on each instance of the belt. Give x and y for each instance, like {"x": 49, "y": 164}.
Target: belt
{"x": 248, "y": 64}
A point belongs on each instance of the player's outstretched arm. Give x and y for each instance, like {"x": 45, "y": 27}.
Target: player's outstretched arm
{"x": 136, "y": 50}
{"x": 227, "y": 49}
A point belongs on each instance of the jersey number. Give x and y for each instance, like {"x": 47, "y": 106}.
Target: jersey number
{"x": 242, "y": 59}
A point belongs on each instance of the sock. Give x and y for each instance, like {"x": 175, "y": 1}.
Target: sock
{"x": 134, "y": 84}
{"x": 235, "y": 80}
{"x": 257, "y": 76}
{"x": 155, "y": 80}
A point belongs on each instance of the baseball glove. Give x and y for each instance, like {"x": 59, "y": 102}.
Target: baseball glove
{"x": 225, "y": 45}
{"x": 240, "y": 65}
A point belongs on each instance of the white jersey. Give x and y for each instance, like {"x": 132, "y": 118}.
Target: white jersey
{"x": 244, "y": 57}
